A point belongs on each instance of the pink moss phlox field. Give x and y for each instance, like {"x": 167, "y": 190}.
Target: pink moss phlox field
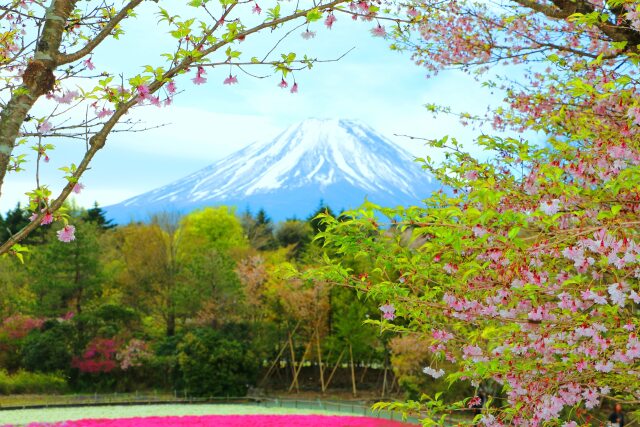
{"x": 230, "y": 421}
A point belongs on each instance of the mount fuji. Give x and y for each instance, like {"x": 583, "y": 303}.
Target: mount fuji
{"x": 340, "y": 162}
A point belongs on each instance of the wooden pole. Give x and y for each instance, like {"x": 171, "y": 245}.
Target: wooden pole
{"x": 293, "y": 365}
{"x": 384, "y": 378}
{"x": 297, "y": 371}
{"x": 334, "y": 369}
{"x": 319, "y": 350}
{"x": 353, "y": 371}
{"x": 273, "y": 365}
{"x": 364, "y": 371}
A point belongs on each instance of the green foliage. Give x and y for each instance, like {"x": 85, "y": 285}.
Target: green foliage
{"x": 108, "y": 320}
{"x": 259, "y": 230}
{"x": 23, "y": 382}
{"x": 48, "y": 350}
{"x": 215, "y": 228}
{"x": 66, "y": 275}
{"x": 317, "y": 223}
{"x": 347, "y": 317}
{"x": 215, "y": 364}
{"x": 295, "y": 234}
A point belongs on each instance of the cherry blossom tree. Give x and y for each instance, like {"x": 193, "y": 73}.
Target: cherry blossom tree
{"x": 51, "y": 88}
{"x": 523, "y": 272}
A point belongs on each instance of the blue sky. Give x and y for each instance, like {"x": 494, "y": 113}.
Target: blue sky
{"x": 372, "y": 83}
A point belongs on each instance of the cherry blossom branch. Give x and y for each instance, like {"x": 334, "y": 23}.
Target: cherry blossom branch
{"x": 62, "y": 59}
{"x": 297, "y": 61}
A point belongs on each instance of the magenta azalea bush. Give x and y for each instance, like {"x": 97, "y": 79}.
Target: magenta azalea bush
{"x": 231, "y": 421}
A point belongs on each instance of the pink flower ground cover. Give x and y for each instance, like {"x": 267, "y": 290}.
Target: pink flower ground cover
{"x": 231, "y": 421}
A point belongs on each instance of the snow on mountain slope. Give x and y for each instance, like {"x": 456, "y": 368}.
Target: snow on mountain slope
{"x": 339, "y": 161}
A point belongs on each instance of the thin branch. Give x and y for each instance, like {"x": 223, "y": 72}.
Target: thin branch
{"x": 94, "y": 42}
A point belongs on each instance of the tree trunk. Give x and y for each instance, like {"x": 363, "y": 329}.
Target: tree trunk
{"x": 171, "y": 323}
{"x": 37, "y": 79}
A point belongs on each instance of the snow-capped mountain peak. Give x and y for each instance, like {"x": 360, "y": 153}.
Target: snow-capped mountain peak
{"x": 340, "y": 161}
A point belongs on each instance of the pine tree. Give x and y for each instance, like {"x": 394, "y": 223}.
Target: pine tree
{"x": 97, "y": 216}
{"x": 14, "y": 221}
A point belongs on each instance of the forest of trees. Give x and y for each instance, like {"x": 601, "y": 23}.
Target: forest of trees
{"x": 203, "y": 304}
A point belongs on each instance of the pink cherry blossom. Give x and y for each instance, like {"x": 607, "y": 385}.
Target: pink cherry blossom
{"x": 87, "y": 63}
{"x": 101, "y": 114}
{"x": 256, "y": 9}
{"x": 47, "y": 218}
{"x": 470, "y": 175}
{"x": 154, "y": 100}
{"x": 432, "y": 372}
{"x": 78, "y": 188}
{"x": 329, "y": 20}
{"x": 308, "y": 34}
{"x": 634, "y": 113}
{"x": 171, "y": 87}
{"x": 199, "y": 79}
{"x": 67, "y": 234}
{"x": 388, "y": 311}
{"x": 231, "y": 80}
{"x": 294, "y": 88}
{"x": 143, "y": 91}
{"x": 379, "y": 31}
{"x": 67, "y": 97}
{"x": 440, "y": 335}
{"x": 283, "y": 84}
{"x": 45, "y": 127}
{"x": 550, "y": 207}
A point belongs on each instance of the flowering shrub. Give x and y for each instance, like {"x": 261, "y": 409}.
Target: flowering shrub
{"x": 19, "y": 325}
{"x": 133, "y": 354}
{"x": 99, "y": 356}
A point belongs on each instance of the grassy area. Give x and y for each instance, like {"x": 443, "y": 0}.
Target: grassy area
{"x": 64, "y": 399}
{"x": 25, "y": 416}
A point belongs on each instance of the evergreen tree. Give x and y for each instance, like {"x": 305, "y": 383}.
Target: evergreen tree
{"x": 15, "y": 220}
{"x": 67, "y": 275}
{"x": 97, "y": 216}
{"x": 295, "y": 233}
{"x": 259, "y": 230}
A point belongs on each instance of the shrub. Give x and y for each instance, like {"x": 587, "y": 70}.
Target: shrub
{"x": 47, "y": 351}
{"x": 216, "y": 364}
{"x": 23, "y": 382}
